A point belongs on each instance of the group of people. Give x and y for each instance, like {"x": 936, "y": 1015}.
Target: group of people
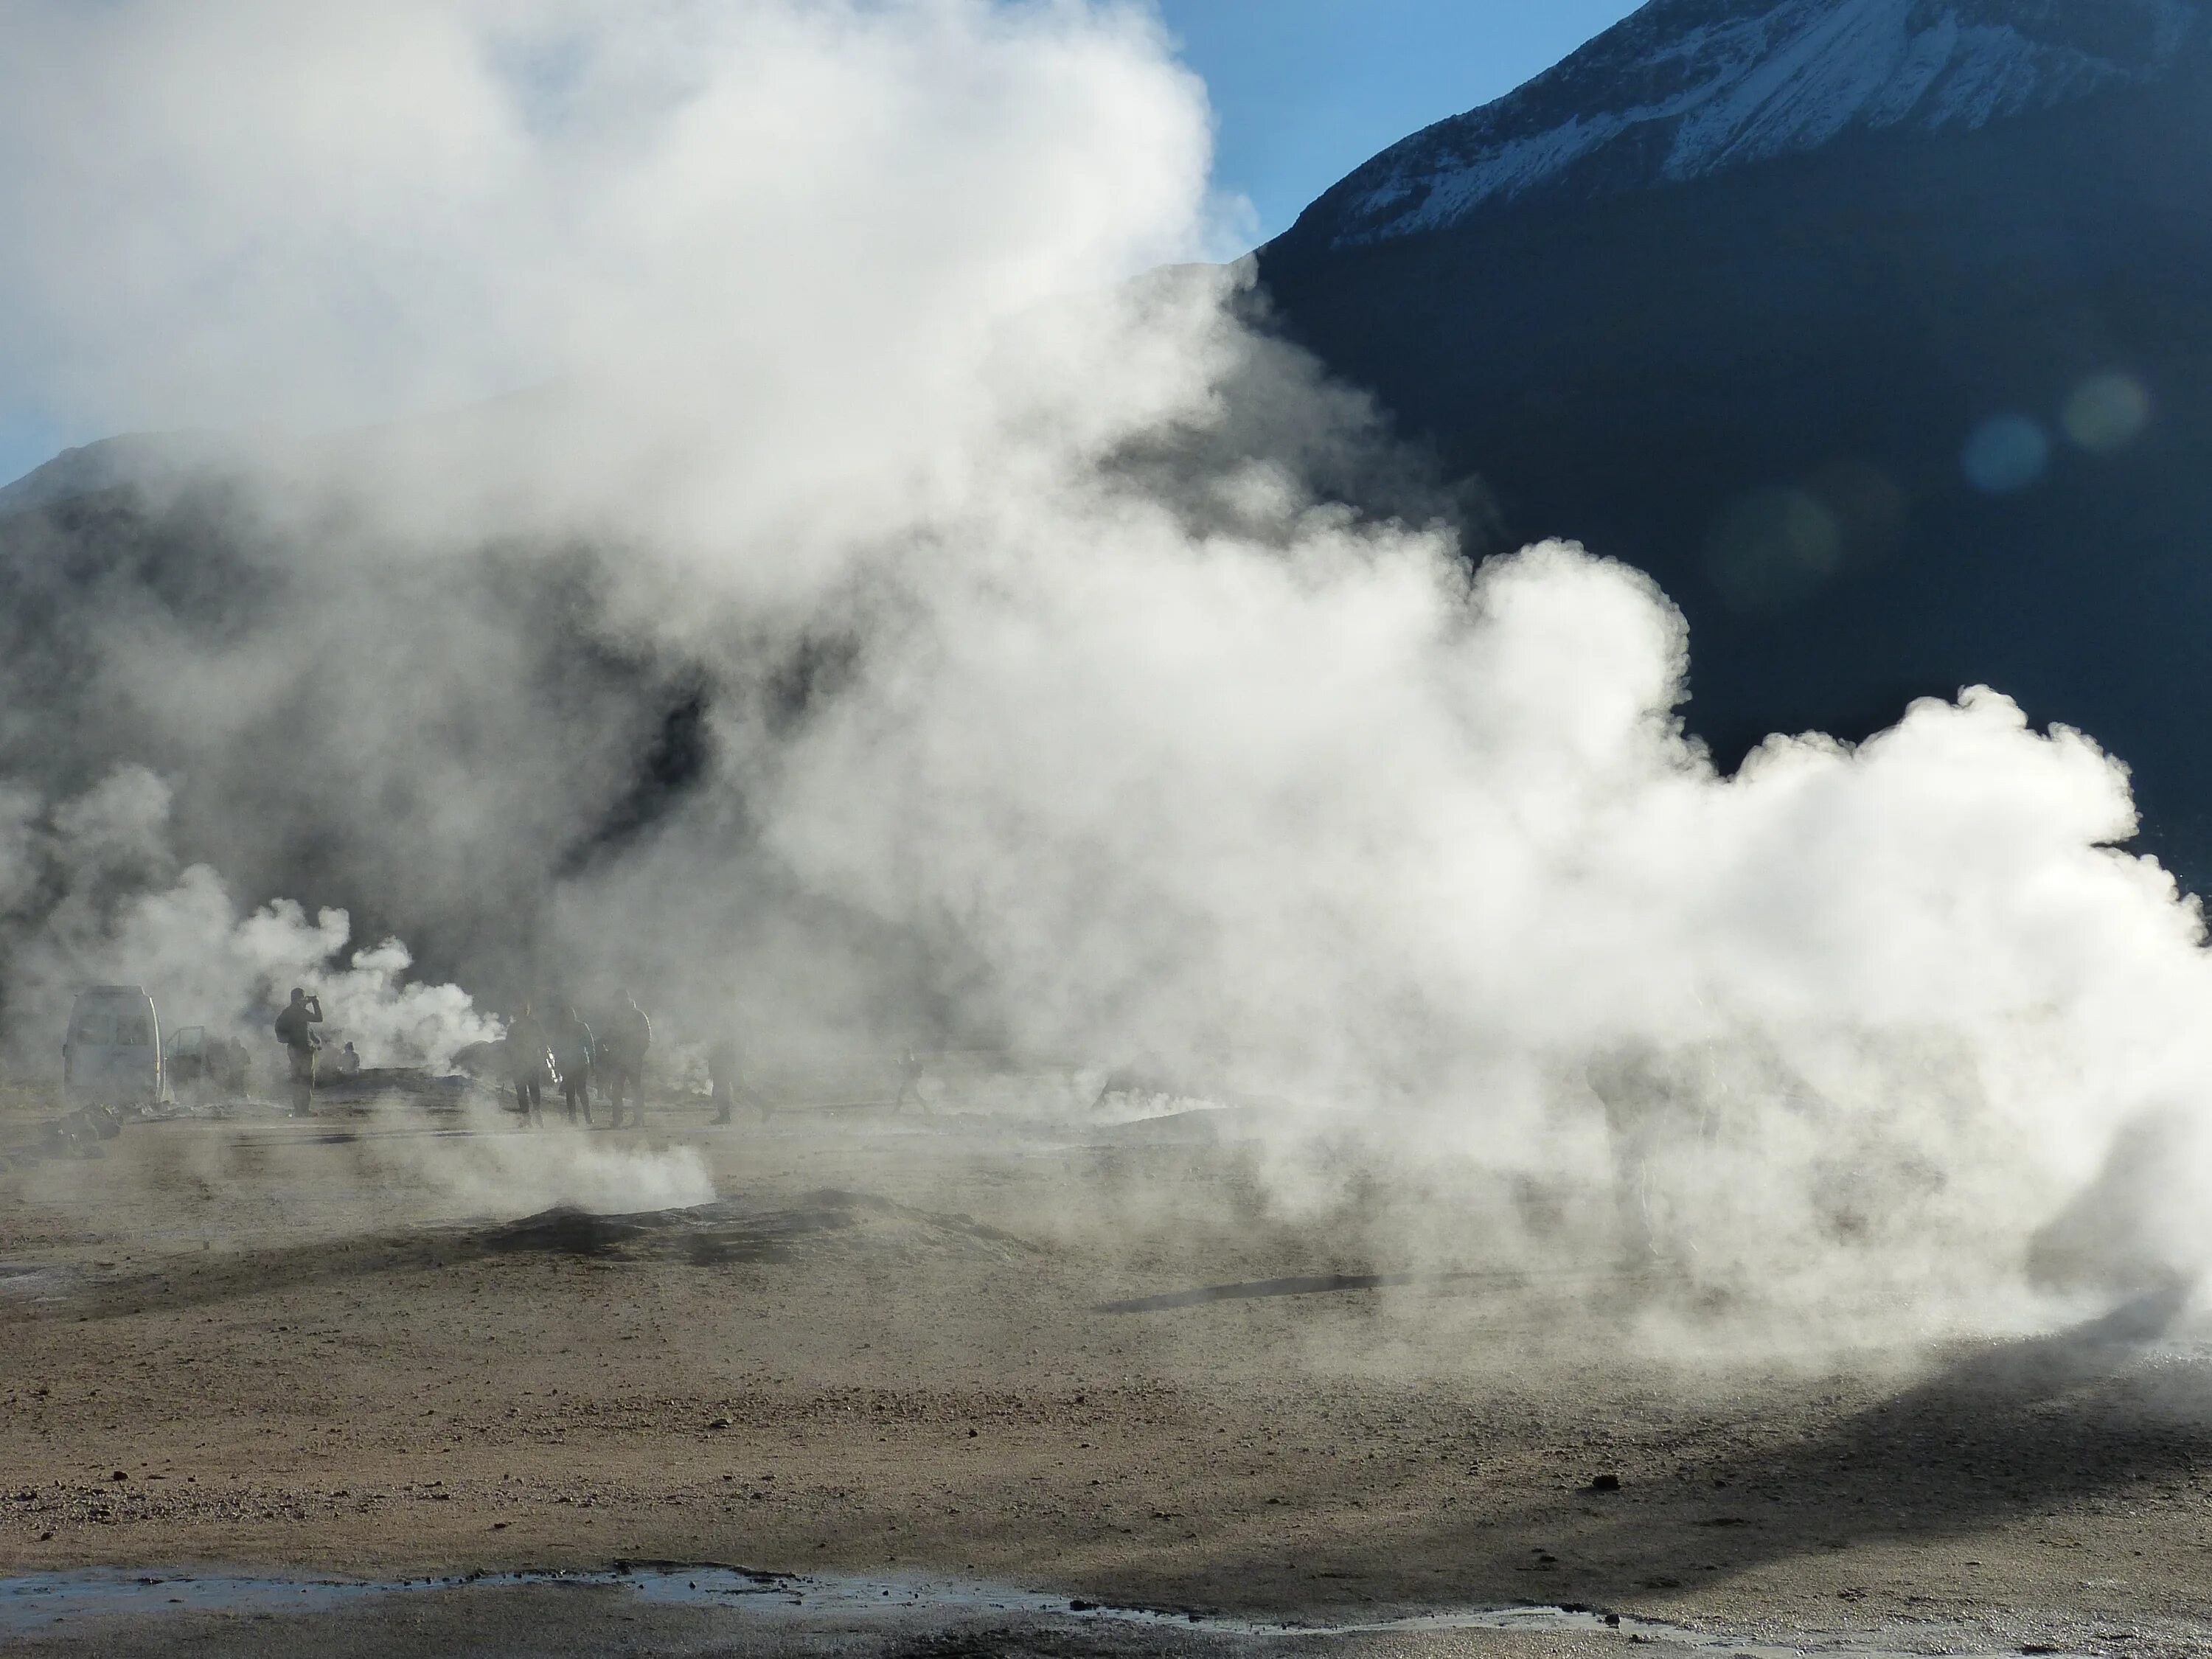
{"x": 568, "y": 1055}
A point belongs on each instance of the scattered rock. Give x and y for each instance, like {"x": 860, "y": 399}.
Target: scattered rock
{"x": 1079, "y": 1604}
{"x": 1605, "y": 1483}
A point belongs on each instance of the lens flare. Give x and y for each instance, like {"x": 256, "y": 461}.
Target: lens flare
{"x": 2106, "y": 413}
{"x": 1773, "y": 548}
{"x": 2006, "y": 454}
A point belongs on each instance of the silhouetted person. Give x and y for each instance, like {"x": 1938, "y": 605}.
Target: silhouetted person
{"x": 293, "y": 1031}
{"x": 722, "y": 1077}
{"x": 348, "y": 1062}
{"x": 909, "y": 1087}
{"x": 526, "y": 1060}
{"x": 573, "y": 1056}
{"x": 621, "y": 1049}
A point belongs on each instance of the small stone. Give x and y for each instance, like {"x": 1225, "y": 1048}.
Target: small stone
{"x": 1605, "y": 1483}
{"x": 1081, "y": 1605}
{"x": 119, "y": 1475}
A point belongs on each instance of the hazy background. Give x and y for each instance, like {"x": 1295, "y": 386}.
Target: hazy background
{"x": 884, "y": 618}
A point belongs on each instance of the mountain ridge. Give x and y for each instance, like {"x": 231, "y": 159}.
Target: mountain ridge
{"x": 1682, "y": 89}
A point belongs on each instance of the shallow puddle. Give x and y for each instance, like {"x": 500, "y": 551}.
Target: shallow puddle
{"x": 37, "y": 1601}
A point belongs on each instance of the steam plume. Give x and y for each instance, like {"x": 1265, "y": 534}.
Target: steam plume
{"x": 872, "y": 616}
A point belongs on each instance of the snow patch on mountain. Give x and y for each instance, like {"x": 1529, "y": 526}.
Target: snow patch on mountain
{"x": 1687, "y": 88}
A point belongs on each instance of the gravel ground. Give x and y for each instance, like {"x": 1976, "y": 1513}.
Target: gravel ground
{"x": 1091, "y": 1359}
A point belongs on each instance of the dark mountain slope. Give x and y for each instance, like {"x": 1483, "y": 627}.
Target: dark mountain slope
{"x": 1760, "y": 385}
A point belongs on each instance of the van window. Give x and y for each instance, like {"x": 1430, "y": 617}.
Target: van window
{"x": 106, "y": 1028}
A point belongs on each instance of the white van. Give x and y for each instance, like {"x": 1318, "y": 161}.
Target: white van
{"x": 113, "y": 1054}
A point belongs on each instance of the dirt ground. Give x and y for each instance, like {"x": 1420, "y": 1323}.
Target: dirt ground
{"x": 1086, "y": 1358}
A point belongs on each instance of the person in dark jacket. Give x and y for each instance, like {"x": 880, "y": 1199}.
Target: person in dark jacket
{"x": 622, "y": 1048}
{"x": 527, "y": 1059}
{"x": 573, "y": 1056}
{"x": 293, "y": 1031}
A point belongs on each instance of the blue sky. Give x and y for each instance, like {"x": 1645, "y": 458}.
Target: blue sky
{"x": 1305, "y": 90}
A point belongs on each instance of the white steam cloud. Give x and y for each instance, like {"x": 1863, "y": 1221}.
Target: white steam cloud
{"x": 90, "y": 894}
{"x": 1050, "y": 692}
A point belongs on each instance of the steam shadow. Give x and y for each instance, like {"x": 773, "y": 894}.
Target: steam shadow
{"x": 1996, "y": 1436}
{"x": 729, "y": 1231}
{"x": 706, "y": 1235}
{"x": 1315, "y": 1284}
{"x": 2024, "y": 1429}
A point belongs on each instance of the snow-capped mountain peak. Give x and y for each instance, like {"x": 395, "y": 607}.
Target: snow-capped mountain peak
{"x": 1686, "y": 88}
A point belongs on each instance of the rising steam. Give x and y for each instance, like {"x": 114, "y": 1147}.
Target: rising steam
{"x": 869, "y": 612}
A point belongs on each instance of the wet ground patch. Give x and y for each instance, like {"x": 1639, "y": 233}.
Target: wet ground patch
{"x": 905, "y": 1614}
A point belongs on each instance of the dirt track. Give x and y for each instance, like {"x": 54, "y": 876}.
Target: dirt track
{"x": 957, "y": 1346}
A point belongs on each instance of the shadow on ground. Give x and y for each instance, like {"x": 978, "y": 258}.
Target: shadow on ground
{"x": 2042, "y": 1429}
{"x": 723, "y": 1233}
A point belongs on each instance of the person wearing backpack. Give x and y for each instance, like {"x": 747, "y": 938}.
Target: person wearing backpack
{"x": 293, "y": 1031}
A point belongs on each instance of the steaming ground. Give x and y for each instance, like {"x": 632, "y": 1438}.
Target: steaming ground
{"x": 967, "y": 1345}
{"x": 882, "y": 624}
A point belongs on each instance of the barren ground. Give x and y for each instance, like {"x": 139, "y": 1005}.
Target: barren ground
{"x": 888, "y": 1348}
